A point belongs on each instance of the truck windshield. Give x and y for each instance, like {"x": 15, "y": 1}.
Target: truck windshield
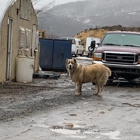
{"x": 121, "y": 39}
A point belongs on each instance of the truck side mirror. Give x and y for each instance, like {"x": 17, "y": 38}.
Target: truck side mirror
{"x": 92, "y": 46}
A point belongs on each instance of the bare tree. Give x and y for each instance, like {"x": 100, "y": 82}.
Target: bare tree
{"x": 45, "y": 7}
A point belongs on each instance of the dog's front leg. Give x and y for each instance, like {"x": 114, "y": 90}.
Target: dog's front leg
{"x": 100, "y": 88}
{"x": 78, "y": 89}
{"x": 68, "y": 72}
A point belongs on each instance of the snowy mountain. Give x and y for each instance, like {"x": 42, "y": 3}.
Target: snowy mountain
{"x": 70, "y": 18}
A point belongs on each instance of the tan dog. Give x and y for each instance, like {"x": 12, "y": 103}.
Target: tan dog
{"x": 80, "y": 74}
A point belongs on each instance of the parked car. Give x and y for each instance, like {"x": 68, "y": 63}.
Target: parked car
{"x": 77, "y": 47}
{"x": 120, "y": 51}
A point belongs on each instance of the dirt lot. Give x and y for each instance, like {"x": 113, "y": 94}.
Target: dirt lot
{"x": 48, "y": 109}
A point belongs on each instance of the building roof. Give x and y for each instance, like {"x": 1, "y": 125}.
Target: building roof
{"x": 37, "y": 4}
{"x": 4, "y": 5}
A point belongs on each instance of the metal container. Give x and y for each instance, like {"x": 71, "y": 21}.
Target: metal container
{"x": 53, "y": 53}
{"x": 46, "y": 53}
{"x": 61, "y": 51}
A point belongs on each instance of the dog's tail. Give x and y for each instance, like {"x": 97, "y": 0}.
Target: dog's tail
{"x": 109, "y": 72}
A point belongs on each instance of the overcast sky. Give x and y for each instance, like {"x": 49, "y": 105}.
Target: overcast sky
{"x": 42, "y": 3}
{"x": 63, "y": 1}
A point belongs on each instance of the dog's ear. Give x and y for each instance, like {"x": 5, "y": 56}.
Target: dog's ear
{"x": 74, "y": 60}
{"x": 66, "y": 61}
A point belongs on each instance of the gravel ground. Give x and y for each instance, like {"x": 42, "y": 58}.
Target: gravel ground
{"x": 49, "y": 106}
{"x": 48, "y": 109}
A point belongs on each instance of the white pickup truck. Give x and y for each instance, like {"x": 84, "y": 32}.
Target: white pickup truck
{"x": 88, "y": 43}
{"x": 77, "y": 47}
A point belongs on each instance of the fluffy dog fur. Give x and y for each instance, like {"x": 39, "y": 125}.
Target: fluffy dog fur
{"x": 80, "y": 74}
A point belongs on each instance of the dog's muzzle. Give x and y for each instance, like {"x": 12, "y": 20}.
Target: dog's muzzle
{"x": 70, "y": 66}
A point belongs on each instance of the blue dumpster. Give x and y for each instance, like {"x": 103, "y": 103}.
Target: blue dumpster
{"x": 61, "y": 51}
{"x": 53, "y": 53}
{"x": 46, "y": 53}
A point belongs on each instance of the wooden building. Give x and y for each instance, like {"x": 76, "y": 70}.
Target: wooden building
{"x": 18, "y": 36}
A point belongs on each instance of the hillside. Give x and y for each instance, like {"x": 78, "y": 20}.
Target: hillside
{"x": 100, "y": 32}
{"x": 71, "y": 18}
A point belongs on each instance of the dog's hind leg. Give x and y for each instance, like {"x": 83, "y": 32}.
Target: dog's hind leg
{"x": 96, "y": 84}
{"x": 99, "y": 89}
{"x": 78, "y": 89}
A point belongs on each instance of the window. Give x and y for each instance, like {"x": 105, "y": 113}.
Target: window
{"x": 22, "y": 37}
{"x": 25, "y": 9}
{"x": 122, "y": 39}
{"x": 28, "y": 38}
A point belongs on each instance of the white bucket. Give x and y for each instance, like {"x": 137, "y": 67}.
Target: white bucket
{"x": 24, "y": 69}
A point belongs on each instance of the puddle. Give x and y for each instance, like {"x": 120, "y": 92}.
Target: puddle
{"x": 68, "y": 128}
{"x": 75, "y": 131}
{"x": 73, "y": 114}
{"x": 112, "y": 135}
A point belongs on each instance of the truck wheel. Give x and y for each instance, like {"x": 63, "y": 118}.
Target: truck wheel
{"x": 109, "y": 82}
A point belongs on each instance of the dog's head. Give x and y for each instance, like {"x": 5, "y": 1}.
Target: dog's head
{"x": 71, "y": 64}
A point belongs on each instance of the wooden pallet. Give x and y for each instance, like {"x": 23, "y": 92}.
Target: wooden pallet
{"x": 46, "y": 75}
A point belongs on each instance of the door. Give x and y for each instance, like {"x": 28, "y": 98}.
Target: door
{"x": 46, "y": 53}
{"x": 35, "y": 47}
{"x": 33, "y": 40}
{"x": 61, "y": 52}
{"x": 9, "y": 49}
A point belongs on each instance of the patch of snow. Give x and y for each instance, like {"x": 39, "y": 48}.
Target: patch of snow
{"x": 132, "y": 13}
{"x": 41, "y": 126}
{"x": 80, "y": 137}
{"x": 87, "y": 21}
{"x": 65, "y": 131}
{"x": 112, "y": 135}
